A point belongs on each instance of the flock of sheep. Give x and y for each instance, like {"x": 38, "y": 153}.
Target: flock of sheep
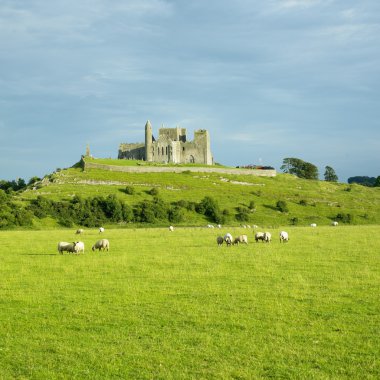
{"x": 243, "y": 239}
{"x": 78, "y": 246}
{"x": 104, "y": 245}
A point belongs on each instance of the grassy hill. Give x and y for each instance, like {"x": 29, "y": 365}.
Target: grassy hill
{"x": 307, "y": 201}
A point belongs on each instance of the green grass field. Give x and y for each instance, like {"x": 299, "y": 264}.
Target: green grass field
{"x": 173, "y": 305}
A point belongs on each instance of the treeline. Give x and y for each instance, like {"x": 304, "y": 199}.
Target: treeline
{"x": 92, "y": 212}
{"x": 365, "y": 181}
{"x": 96, "y": 211}
{"x": 16, "y": 185}
{"x": 307, "y": 170}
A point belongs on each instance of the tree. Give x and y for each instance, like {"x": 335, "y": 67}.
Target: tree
{"x": 300, "y": 168}
{"x": 330, "y": 174}
{"x": 377, "y": 182}
{"x": 362, "y": 180}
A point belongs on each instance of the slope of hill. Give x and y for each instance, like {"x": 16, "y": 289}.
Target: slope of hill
{"x": 242, "y": 199}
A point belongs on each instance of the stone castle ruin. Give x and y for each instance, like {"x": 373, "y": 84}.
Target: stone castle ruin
{"x": 171, "y": 146}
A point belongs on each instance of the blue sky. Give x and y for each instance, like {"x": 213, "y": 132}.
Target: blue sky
{"x": 269, "y": 80}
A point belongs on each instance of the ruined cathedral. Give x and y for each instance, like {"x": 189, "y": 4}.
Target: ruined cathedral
{"x": 171, "y": 146}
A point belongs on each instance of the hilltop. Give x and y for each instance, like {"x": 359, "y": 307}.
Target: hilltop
{"x": 238, "y": 198}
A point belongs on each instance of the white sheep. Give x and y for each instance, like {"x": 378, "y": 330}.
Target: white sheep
{"x": 228, "y": 239}
{"x": 284, "y": 236}
{"x": 101, "y": 245}
{"x": 79, "y": 231}
{"x": 101, "y": 230}
{"x": 259, "y": 236}
{"x": 334, "y": 224}
{"x": 79, "y": 247}
{"x": 171, "y": 228}
{"x": 313, "y": 225}
{"x": 63, "y": 246}
{"x": 219, "y": 240}
{"x": 241, "y": 239}
{"x": 267, "y": 237}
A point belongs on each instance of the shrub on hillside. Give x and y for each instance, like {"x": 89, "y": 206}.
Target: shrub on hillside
{"x": 153, "y": 191}
{"x": 130, "y": 190}
{"x": 282, "y": 206}
{"x": 344, "y": 218}
{"x": 151, "y": 211}
{"x": 13, "y": 215}
{"x": 242, "y": 214}
{"x": 210, "y": 208}
{"x": 176, "y": 214}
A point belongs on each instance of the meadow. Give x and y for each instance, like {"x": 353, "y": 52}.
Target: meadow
{"x": 174, "y": 305}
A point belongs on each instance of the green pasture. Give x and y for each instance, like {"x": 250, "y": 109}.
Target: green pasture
{"x": 174, "y": 305}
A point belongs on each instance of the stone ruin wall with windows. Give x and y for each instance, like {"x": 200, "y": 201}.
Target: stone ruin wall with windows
{"x": 171, "y": 146}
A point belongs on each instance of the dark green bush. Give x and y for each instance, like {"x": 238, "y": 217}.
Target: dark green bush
{"x": 130, "y": 190}
{"x": 153, "y": 191}
{"x": 176, "y": 214}
{"x": 210, "y": 208}
{"x": 282, "y": 206}
{"x": 344, "y": 218}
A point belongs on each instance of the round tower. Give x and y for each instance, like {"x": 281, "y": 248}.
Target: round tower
{"x": 148, "y": 142}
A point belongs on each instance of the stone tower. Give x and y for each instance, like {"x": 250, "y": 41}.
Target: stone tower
{"x": 148, "y": 142}
{"x": 202, "y": 141}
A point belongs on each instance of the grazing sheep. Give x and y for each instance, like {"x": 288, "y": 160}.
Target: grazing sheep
{"x": 259, "y": 236}
{"x": 241, "y": 239}
{"x": 267, "y": 237}
{"x": 171, "y": 228}
{"x": 313, "y": 225}
{"x": 210, "y": 226}
{"x": 101, "y": 245}
{"x": 219, "y": 226}
{"x": 284, "y": 237}
{"x": 66, "y": 247}
{"x": 79, "y": 247}
{"x": 101, "y": 230}
{"x": 228, "y": 239}
{"x": 79, "y": 231}
{"x": 334, "y": 224}
{"x": 255, "y": 226}
{"x": 219, "y": 240}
